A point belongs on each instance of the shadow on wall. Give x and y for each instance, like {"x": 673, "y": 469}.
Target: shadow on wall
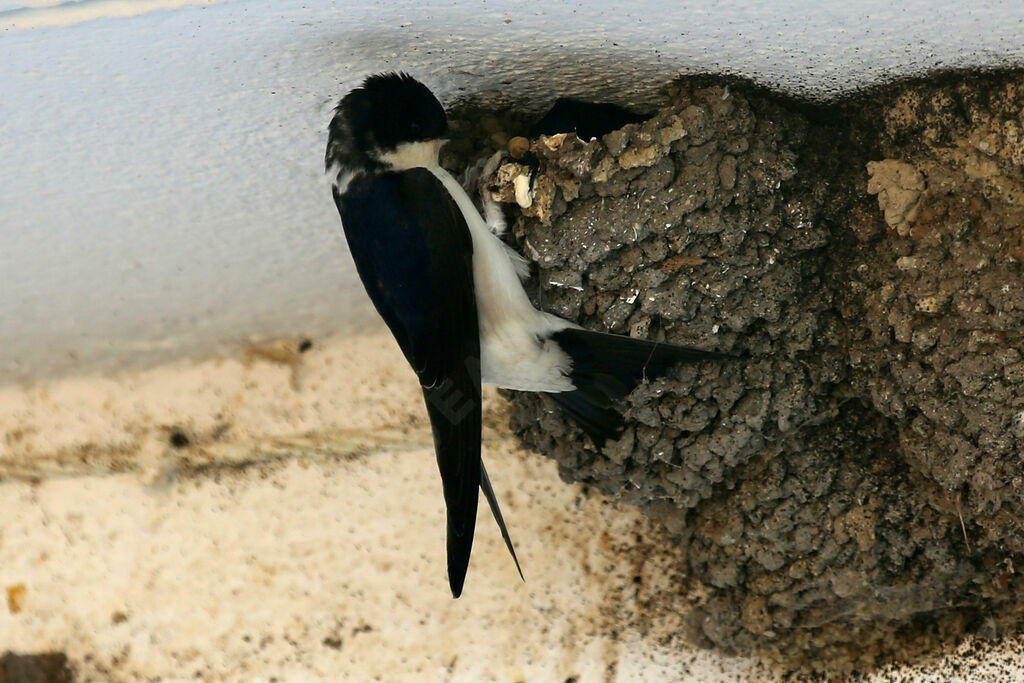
{"x": 518, "y": 76}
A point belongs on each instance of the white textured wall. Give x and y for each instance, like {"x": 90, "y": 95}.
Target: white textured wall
{"x": 160, "y": 161}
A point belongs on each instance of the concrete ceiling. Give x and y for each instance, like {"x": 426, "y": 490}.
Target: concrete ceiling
{"x": 161, "y": 190}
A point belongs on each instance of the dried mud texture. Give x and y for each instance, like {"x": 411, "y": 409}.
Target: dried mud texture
{"x": 43, "y": 668}
{"x": 942, "y": 306}
{"x": 690, "y": 228}
{"x": 855, "y": 475}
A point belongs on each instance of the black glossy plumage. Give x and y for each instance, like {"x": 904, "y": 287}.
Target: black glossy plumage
{"x": 606, "y": 367}
{"x": 414, "y": 254}
{"x": 587, "y": 119}
{"x": 385, "y": 111}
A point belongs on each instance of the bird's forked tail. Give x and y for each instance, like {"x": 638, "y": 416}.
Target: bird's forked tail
{"x": 606, "y": 367}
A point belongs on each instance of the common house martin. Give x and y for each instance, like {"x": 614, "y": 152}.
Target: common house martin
{"x": 450, "y": 291}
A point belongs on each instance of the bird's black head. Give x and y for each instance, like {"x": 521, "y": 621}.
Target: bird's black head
{"x": 384, "y": 112}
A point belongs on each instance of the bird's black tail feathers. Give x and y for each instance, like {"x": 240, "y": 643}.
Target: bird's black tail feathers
{"x": 606, "y": 367}
{"x": 492, "y": 500}
{"x": 457, "y": 441}
{"x": 456, "y": 428}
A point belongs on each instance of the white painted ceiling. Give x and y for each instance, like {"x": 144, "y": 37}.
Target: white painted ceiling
{"x": 161, "y": 187}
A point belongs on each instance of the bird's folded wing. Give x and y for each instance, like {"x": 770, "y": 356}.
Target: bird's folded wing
{"x": 414, "y": 253}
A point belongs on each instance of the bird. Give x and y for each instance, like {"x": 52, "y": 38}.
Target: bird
{"x": 588, "y": 120}
{"x": 451, "y": 292}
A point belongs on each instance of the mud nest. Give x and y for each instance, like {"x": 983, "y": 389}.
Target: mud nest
{"x": 854, "y": 479}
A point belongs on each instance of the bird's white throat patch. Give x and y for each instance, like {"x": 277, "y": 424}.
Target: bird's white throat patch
{"x": 413, "y": 155}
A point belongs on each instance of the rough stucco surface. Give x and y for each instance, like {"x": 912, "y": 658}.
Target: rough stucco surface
{"x": 162, "y": 193}
{"x": 298, "y": 533}
{"x": 280, "y": 515}
{"x": 856, "y": 470}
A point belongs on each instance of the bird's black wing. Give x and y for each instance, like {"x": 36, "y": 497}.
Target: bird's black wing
{"x": 606, "y": 367}
{"x": 414, "y": 254}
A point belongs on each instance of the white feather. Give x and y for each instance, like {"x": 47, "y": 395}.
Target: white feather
{"x": 412, "y": 155}
{"x": 515, "y": 352}
{"x": 342, "y": 177}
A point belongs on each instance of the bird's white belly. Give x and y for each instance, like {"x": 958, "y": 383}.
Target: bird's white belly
{"x": 515, "y": 352}
{"x": 513, "y": 357}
